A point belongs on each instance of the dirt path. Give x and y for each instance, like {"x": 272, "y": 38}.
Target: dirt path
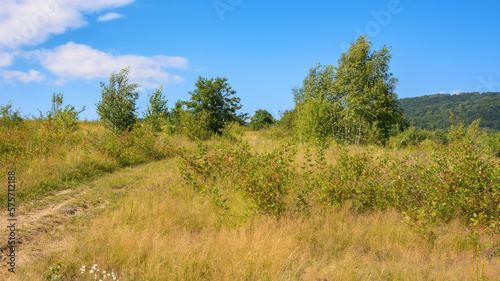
{"x": 38, "y": 230}
{"x": 50, "y": 225}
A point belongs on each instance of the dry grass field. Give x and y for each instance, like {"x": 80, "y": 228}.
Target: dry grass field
{"x": 164, "y": 211}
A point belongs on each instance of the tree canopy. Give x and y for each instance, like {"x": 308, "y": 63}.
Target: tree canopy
{"x": 352, "y": 102}
{"x": 214, "y": 99}
{"x": 260, "y": 119}
{"x": 117, "y": 107}
{"x": 366, "y": 90}
{"x": 157, "y": 113}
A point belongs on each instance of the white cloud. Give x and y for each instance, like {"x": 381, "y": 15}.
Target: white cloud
{"x": 15, "y": 75}
{"x": 77, "y": 61}
{"x": 59, "y": 82}
{"x": 29, "y": 22}
{"x": 442, "y": 92}
{"x": 6, "y": 59}
{"x": 456, "y": 92}
{"x": 96, "y": 5}
{"x": 110, "y": 16}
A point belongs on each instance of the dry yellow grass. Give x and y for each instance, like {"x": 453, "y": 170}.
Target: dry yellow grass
{"x": 162, "y": 230}
{"x": 169, "y": 233}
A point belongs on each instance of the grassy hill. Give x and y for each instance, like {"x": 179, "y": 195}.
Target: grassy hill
{"x": 433, "y": 112}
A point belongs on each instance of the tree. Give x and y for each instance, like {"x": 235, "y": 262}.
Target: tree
{"x": 157, "y": 113}
{"x": 260, "y": 119}
{"x": 352, "y": 102}
{"x": 117, "y": 107}
{"x": 174, "y": 117}
{"x": 213, "y": 99}
{"x": 314, "y": 104}
{"x": 365, "y": 88}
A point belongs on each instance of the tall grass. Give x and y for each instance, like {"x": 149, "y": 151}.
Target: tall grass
{"x": 458, "y": 180}
{"x": 262, "y": 209}
{"x": 163, "y": 231}
{"x": 49, "y": 158}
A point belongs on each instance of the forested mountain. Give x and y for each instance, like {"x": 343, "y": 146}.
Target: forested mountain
{"x": 433, "y": 112}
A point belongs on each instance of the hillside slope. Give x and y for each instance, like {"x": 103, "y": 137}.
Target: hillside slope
{"x": 433, "y": 112}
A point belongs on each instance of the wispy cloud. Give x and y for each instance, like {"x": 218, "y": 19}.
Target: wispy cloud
{"x": 26, "y": 77}
{"x": 110, "y": 16}
{"x": 6, "y": 58}
{"x": 29, "y": 22}
{"x": 442, "y": 92}
{"x": 76, "y": 61}
{"x": 456, "y": 92}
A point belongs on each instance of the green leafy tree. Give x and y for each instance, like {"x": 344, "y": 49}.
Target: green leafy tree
{"x": 214, "y": 100}
{"x": 365, "y": 88}
{"x": 314, "y": 103}
{"x": 157, "y": 113}
{"x": 352, "y": 102}
{"x": 117, "y": 107}
{"x": 261, "y": 119}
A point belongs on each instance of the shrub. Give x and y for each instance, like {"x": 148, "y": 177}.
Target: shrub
{"x": 233, "y": 131}
{"x": 411, "y": 137}
{"x": 63, "y": 119}
{"x": 455, "y": 181}
{"x": 262, "y": 178}
{"x": 133, "y": 148}
{"x": 195, "y": 127}
{"x": 9, "y": 118}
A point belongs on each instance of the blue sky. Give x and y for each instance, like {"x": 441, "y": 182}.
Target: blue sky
{"x": 264, "y": 48}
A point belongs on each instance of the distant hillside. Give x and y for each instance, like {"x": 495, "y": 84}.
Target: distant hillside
{"x": 433, "y": 112}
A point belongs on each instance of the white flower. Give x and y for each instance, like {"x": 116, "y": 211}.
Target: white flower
{"x": 91, "y": 271}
